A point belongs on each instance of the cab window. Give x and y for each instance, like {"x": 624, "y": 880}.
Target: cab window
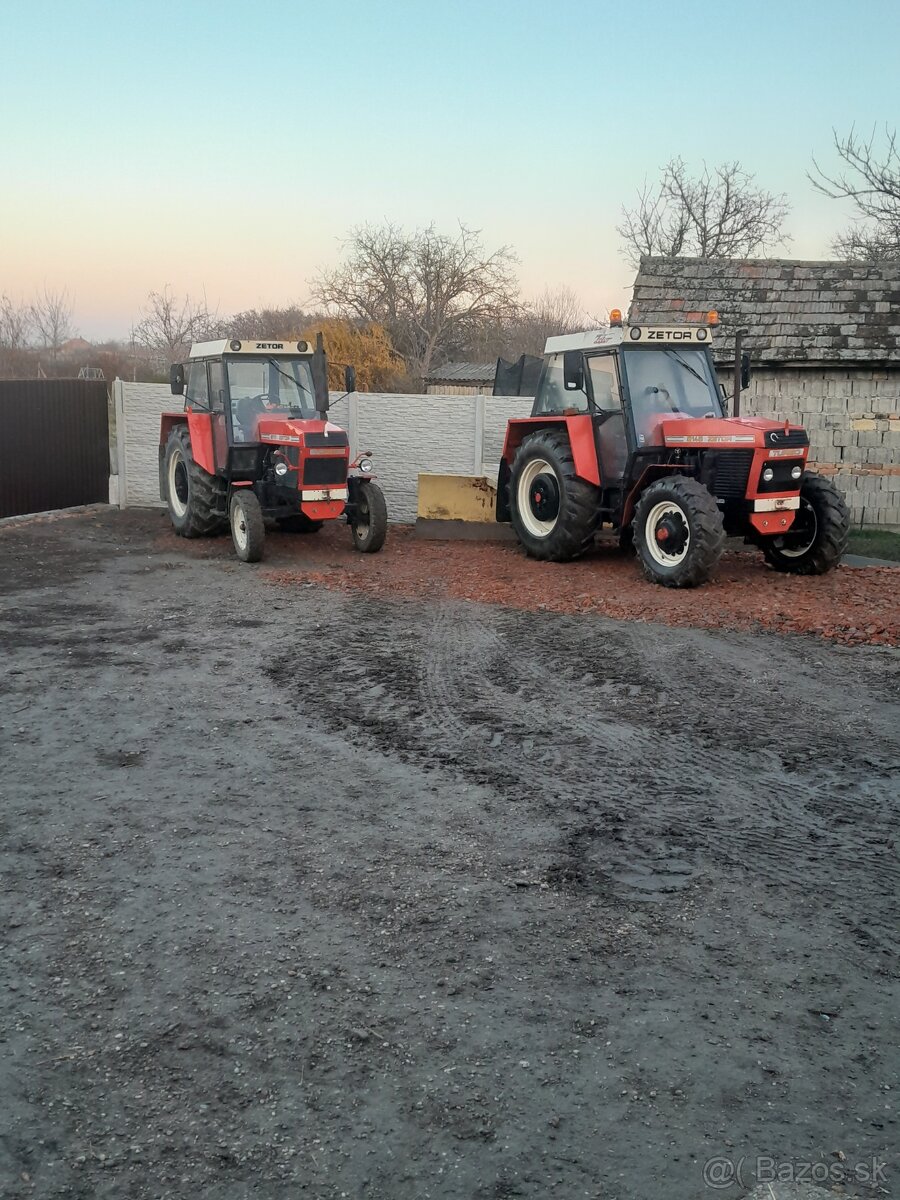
{"x": 196, "y": 390}
{"x": 552, "y": 396}
{"x": 605, "y": 383}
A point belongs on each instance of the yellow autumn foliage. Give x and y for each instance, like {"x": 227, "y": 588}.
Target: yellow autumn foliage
{"x": 368, "y": 349}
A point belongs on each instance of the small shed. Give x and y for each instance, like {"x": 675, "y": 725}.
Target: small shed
{"x": 461, "y": 379}
{"x": 824, "y": 342}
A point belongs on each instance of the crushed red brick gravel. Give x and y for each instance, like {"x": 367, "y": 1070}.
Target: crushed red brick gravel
{"x": 852, "y": 606}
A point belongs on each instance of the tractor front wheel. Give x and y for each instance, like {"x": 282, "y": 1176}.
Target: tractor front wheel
{"x": 195, "y": 499}
{"x": 818, "y": 537}
{"x": 248, "y": 529}
{"x": 553, "y": 511}
{"x": 678, "y": 532}
{"x": 369, "y": 524}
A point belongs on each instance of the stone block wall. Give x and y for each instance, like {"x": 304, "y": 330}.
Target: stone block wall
{"x": 853, "y": 420}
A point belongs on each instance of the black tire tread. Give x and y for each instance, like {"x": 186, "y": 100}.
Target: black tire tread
{"x": 245, "y": 499}
{"x": 833, "y": 534}
{"x": 579, "y": 517}
{"x": 205, "y": 515}
{"x": 707, "y": 531}
{"x": 376, "y": 533}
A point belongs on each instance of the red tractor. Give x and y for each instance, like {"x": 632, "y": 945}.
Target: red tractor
{"x": 254, "y": 445}
{"x": 628, "y": 429}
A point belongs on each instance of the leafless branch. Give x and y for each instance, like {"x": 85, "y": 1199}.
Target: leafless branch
{"x": 720, "y": 213}
{"x": 871, "y": 180}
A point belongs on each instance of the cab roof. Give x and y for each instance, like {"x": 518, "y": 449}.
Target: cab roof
{"x": 266, "y": 346}
{"x": 602, "y": 339}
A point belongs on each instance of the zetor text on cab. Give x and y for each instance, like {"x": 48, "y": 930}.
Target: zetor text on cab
{"x": 254, "y": 445}
{"x": 629, "y": 429}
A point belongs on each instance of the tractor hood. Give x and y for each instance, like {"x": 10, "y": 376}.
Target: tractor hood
{"x": 293, "y": 431}
{"x": 740, "y": 432}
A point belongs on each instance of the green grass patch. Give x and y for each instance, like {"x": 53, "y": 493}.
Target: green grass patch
{"x": 875, "y": 543}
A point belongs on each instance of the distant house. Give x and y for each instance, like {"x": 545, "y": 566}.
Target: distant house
{"x": 824, "y": 341}
{"x": 75, "y": 345}
{"x": 461, "y": 379}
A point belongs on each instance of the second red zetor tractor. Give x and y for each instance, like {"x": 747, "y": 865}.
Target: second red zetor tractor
{"x": 254, "y": 445}
{"x": 628, "y": 429}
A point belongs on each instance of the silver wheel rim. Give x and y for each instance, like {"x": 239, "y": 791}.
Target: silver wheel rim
{"x": 239, "y": 527}
{"x": 176, "y": 460}
{"x": 535, "y": 526}
{"x": 656, "y": 514}
{"x": 799, "y": 551}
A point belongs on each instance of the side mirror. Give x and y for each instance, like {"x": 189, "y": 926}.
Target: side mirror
{"x": 350, "y": 379}
{"x": 745, "y": 371}
{"x": 573, "y": 371}
{"x": 176, "y": 379}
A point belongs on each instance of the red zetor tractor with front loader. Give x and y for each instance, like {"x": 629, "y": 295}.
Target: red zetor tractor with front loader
{"x": 628, "y": 430}
{"x": 254, "y": 445}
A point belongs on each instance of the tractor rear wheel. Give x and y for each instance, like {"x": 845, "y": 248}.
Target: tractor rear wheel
{"x": 678, "y": 532}
{"x": 196, "y": 499}
{"x": 370, "y": 524}
{"x": 554, "y": 513}
{"x": 818, "y": 537}
{"x": 299, "y": 523}
{"x": 248, "y": 529}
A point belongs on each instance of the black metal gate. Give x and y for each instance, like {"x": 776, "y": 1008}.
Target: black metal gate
{"x": 54, "y": 444}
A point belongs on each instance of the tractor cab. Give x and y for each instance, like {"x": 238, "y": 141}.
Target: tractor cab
{"x": 624, "y": 413}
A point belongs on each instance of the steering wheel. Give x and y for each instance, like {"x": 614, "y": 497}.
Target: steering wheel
{"x": 655, "y": 390}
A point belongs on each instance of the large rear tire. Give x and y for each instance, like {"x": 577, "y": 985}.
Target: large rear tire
{"x": 195, "y": 499}
{"x": 818, "y": 537}
{"x": 370, "y": 526}
{"x": 554, "y": 513}
{"x": 248, "y": 529}
{"x": 678, "y": 532}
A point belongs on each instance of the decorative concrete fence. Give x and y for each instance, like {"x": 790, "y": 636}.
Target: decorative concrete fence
{"x": 406, "y": 435}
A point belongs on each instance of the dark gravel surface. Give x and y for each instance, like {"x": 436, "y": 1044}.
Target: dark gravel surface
{"x": 326, "y": 893}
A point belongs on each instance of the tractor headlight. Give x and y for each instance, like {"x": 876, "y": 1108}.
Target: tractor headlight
{"x": 366, "y": 465}
{"x": 796, "y": 472}
{"x": 281, "y": 467}
{"x": 768, "y": 475}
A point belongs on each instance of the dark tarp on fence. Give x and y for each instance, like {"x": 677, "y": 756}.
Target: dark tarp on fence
{"x": 54, "y": 444}
{"x": 519, "y": 378}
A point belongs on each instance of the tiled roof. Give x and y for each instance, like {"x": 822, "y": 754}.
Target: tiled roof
{"x": 794, "y": 311}
{"x": 462, "y": 372}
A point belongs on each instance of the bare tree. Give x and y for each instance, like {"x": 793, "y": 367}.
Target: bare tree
{"x": 871, "y": 179}
{"x": 429, "y": 290}
{"x": 271, "y": 321}
{"x": 169, "y": 325}
{"x": 50, "y": 314}
{"x": 720, "y": 213}
{"x": 15, "y": 324}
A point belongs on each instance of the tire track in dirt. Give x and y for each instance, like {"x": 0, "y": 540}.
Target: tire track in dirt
{"x": 647, "y": 782}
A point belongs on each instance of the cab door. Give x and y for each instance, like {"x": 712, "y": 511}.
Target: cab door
{"x": 610, "y": 430}
{"x": 217, "y": 408}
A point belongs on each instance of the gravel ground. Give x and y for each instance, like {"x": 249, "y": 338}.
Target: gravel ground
{"x": 373, "y": 890}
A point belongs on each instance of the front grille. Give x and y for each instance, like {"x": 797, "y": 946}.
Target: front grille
{"x": 324, "y": 471}
{"x": 730, "y": 473}
{"x": 787, "y": 441}
{"x": 338, "y": 438}
{"x": 781, "y": 480}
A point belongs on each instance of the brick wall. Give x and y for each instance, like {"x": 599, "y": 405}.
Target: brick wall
{"x": 853, "y": 421}
{"x": 406, "y": 434}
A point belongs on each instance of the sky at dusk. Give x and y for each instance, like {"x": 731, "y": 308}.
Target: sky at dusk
{"x": 226, "y": 149}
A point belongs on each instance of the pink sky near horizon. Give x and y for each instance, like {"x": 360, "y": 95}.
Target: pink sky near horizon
{"x": 130, "y": 170}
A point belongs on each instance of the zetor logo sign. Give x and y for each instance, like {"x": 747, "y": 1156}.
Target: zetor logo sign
{"x": 270, "y": 345}
{"x": 670, "y": 335}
